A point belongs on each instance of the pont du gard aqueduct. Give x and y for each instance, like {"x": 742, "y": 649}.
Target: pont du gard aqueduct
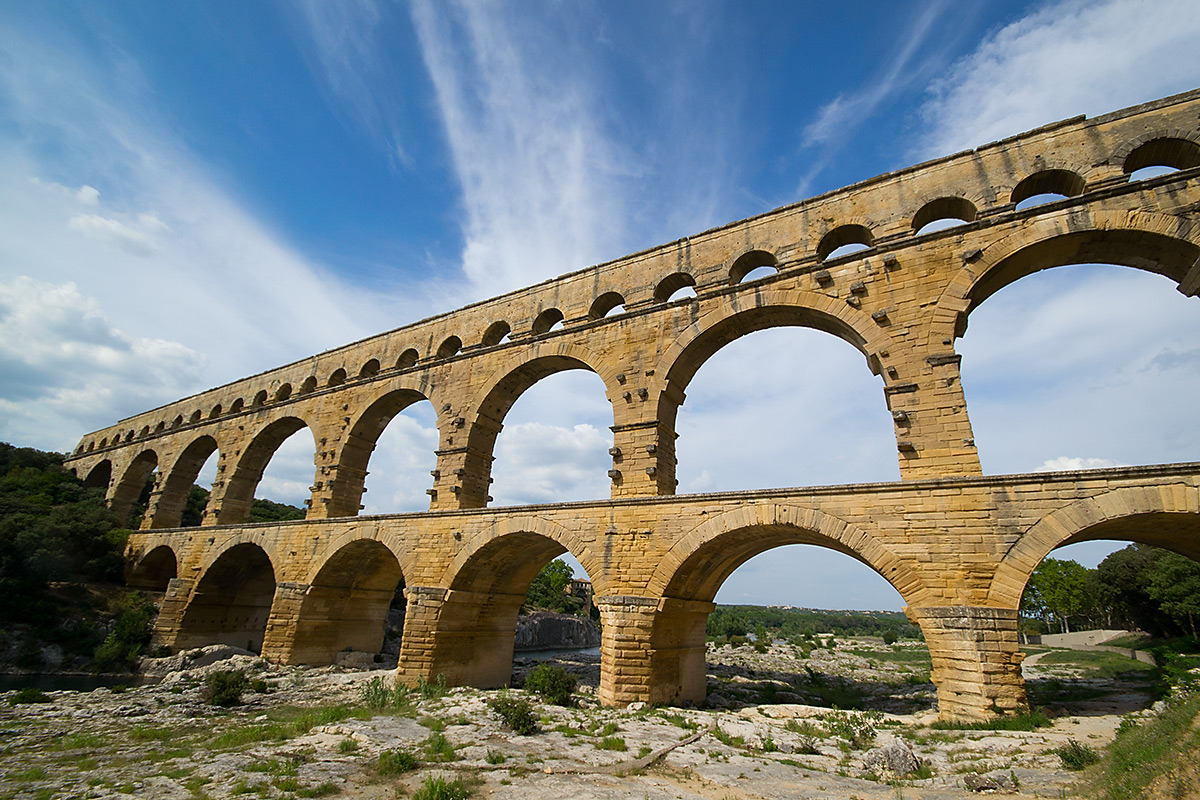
{"x": 957, "y": 545}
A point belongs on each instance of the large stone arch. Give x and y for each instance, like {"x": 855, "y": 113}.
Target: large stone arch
{"x": 1158, "y": 243}
{"x": 126, "y": 490}
{"x": 173, "y": 490}
{"x": 485, "y": 586}
{"x": 237, "y": 495}
{"x": 689, "y": 575}
{"x": 359, "y": 443}
{"x": 99, "y": 475}
{"x": 232, "y": 598}
{"x": 154, "y": 570}
{"x": 1167, "y": 517}
{"x": 346, "y": 602}
{"x": 484, "y": 414}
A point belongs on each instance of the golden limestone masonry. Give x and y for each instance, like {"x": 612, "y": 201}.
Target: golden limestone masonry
{"x": 958, "y": 546}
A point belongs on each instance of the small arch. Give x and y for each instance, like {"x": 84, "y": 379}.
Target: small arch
{"x": 547, "y": 320}
{"x": 369, "y": 369}
{"x": 282, "y": 393}
{"x": 670, "y": 288}
{"x": 407, "y": 359}
{"x": 260, "y": 399}
{"x": 129, "y": 435}
{"x": 496, "y": 333}
{"x": 451, "y": 347}
{"x": 606, "y": 304}
{"x": 193, "y": 419}
{"x": 145, "y": 431}
{"x": 844, "y": 240}
{"x": 944, "y": 212}
{"x": 337, "y": 377}
{"x": 1046, "y": 187}
{"x": 309, "y": 386}
{"x": 159, "y": 428}
{"x": 215, "y": 412}
{"x": 104, "y": 442}
{"x": 91, "y": 446}
{"x": 237, "y": 406}
{"x": 177, "y": 422}
{"x": 752, "y": 265}
{"x": 1166, "y": 152}
{"x": 231, "y": 602}
{"x": 154, "y": 570}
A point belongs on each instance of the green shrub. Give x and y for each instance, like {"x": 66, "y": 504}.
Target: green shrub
{"x": 28, "y": 695}
{"x": 516, "y": 712}
{"x": 224, "y": 688}
{"x": 431, "y": 691}
{"x": 395, "y": 762}
{"x": 440, "y": 789}
{"x": 553, "y": 683}
{"x": 889, "y": 636}
{"x": 611, "y": 743}
{"x": 496, "y": 757}
{"x": 129, "y": 636}
{"x": 438, "y": 748}
{"x": 1076, "y": 755}
{"x": 378, "y": 693}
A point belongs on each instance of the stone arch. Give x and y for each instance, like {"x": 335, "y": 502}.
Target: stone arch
{"x": 358, "y": 445}
{"x": 1158, "y": 243}
{"x": 232, "y": 599}
{"x": 450, "y": 347}
{"x": 167, "y": 511}
{"x": 604, "y": 304}
{"x": 546, "y": 320}
{"x": 282, "y": 393}
{"x": 486, "y": 585}
{"x": 940, "y": 208}
{"x": 129, "y": 486}
{"x": 99, "y": 476}
{"x": 346, "y": 604}
{"x": 848, "y": 233}
{"x": 749, "y": 261}
{"x": 495, "y": 333}
{"x": 309, "y": 386}
{"x": 154, "y": 570}
{"x": 672, "y": 284}
{"x": 1177, "y": 149}
{"x": 498, "y": 395}
{"x": 407, "y": 359}
{"x": 729, "y": 320}
{"x": 1048, "y": 181}
{"x": 244, "y": 478}
{"x": 1167, "y": 517}
{"x": 691, "y": 572}
{"x": 337, "y": 377}
{"x": 369, "y": 369}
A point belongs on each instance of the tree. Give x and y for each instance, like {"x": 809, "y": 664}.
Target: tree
{"x": 548, "y": 590}
{"x": 1175, "y": 585}
{"x": 1057, "y": 589}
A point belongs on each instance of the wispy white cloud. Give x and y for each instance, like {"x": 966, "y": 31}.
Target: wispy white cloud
{"x": 1067, "y": 58}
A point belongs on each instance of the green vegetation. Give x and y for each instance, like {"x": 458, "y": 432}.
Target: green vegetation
{"x": 1142, "y": 753}
{"x": 129, "y": 636}
{"x": 225, "y": 687}
{"x": 395, "y": 762}
{"x": 28, "y": 695}
{"x": 1075, "y": 755}
{"x": 796, "y": 624}
{"x": 612, "y": 743}
{"x": 438, "y": 748}
{"x": 1096, "y": 664}
{"x": 1023, "y": 721}
{"x": 548, "y": 592}
{"x": 438, "y": 788}
{"x": 553, "y": 683}
{"x": 516, "y": 712}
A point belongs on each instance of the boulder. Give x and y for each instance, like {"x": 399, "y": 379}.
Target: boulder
{"x": 896, "y": 759}
{"x": 548, "y": 630}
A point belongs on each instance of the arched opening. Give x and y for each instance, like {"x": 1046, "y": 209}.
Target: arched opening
{"x": 548, "y": 320}
{"x": 369, "y": 369}
{"x": 132, "y": 490}
{"x": 354, "y": 604}
{"x": 752, "y": 266}
{"x": 845, "y": 240}
{"x": 1091, "y": 366}
{"x": 496, "y": 333}
{"x": 771, "y": 580}
{"x": 277, "y": 466}
{"x": 676, "y": 286}
{"x": 337, "y": 377}
{"x": 1161, "y": 156}
{"x": 236, "y": 406}
{"x": 282, "y": 393}
{"x": 178, "y": 487}
{"x": 154, "y": 571}
{"x": 100, "y": 476}
{"x": 175, "y": 423}
{"x": 408, "y": 359}
{"x": 555, "y": 441}
{"x": 943, "y": 213}
{"x": 451, "y": 347}
{"x": 478, "y": 623}
{"x": 260, "y": 399}
{"x": 607, "y": 305}
{"x": 309, "y": 386}
{"x": 231, "y": 602}
{"x": 215, "y": 412}
{"x": 396, "y": 438}
{"x": 1046, "y": 186}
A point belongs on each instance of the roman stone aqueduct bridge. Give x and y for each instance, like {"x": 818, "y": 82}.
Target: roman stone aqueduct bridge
{"x": 958, "y": 546}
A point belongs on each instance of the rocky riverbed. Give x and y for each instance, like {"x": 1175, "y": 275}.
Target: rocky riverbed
{"x": 770, "y": 733}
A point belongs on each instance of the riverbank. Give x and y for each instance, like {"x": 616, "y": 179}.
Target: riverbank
{"x": 308, "y": 734}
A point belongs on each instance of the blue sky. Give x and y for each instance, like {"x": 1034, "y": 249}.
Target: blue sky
{"x": 191, "y": 192}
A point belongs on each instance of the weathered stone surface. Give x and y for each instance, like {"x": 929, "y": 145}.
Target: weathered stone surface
{"x": 958, "y": 547}
{"x": 894, "y": 760}
{"x": 1000, "y": 781}
{"x": 546, "y": 630}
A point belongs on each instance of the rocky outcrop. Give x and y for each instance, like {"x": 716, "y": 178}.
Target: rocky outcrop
{"x": 548, "y": 630}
